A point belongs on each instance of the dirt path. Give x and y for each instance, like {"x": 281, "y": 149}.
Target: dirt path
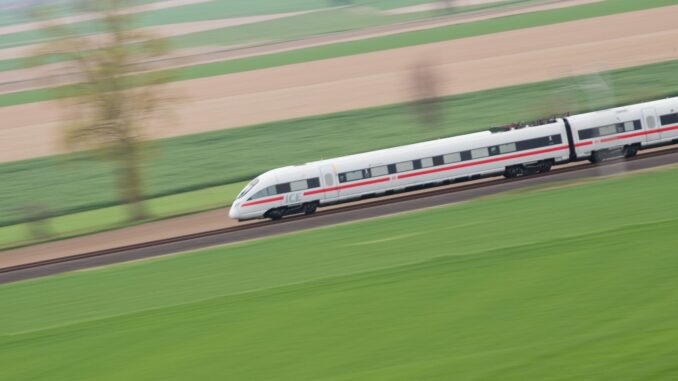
{"x": 380, "y": 78}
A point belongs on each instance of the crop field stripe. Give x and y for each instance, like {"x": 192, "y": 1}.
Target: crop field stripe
{"x": 374, "y": 44}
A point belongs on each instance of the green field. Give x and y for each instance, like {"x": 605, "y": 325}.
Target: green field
{"x": 97, "y": 220}
{"x": 607, "y": 7}
{"x": 75, "y": 182}
{"x": 572, "y": 283}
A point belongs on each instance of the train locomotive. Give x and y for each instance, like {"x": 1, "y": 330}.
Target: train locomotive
{"x": 512, "y": 151}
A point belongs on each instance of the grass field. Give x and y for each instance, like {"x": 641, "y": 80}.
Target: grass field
{"x": 72, "y": 183}
{"x": 580, "y": 285}
{"x": 607, "y": 7}
{"x": 97, "y": 220}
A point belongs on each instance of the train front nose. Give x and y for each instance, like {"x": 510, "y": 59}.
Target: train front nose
{"x": 234, "y": 212}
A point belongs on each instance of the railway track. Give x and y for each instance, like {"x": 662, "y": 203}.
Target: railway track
{"x": 349, "y": 212}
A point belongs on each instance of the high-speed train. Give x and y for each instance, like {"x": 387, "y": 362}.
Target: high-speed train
{"x": 513, "y": 150}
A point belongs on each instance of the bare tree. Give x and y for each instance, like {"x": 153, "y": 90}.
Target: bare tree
{"x": 110, "y": 103}
{"x": 426, "y": 94}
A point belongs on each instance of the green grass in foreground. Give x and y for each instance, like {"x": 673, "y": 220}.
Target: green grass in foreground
{"x": 97, "y": 220}
{"x": 535, "y": 19}
{"x": 572, "y": 283}
{"x": 73, "y": 183}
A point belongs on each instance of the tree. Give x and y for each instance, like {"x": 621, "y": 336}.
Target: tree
{"x": 111, "y": 101}
{"x": 425, "y": 88}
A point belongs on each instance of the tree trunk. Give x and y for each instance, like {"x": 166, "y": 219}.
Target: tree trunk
{"x": 130, "y": 182}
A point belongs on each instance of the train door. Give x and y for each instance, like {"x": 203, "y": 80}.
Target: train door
{"x": 329, "y": 180}
{"x": 651, "y": 125}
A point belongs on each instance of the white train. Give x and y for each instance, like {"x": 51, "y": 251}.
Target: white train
{"x": 512, "y": 151}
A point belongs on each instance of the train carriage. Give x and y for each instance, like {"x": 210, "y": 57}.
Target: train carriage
{"x": 512, "y": 150}
{"x": 624, "y": 130}
{"x": 303, "y": 188}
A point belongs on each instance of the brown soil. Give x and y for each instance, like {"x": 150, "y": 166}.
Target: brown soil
{"x": 380, "y": 78}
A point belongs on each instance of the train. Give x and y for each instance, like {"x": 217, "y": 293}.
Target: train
{"x": 513, "y": 150}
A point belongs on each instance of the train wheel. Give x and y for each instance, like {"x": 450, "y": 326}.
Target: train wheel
{"x": 596, "y": 157}
{"x": 310, "y": 207}
{"x": 545, "y": 166}
{"x": 274, "y": 214}
{"x": 630, "y": 151}
{"x": 514, "y": 171}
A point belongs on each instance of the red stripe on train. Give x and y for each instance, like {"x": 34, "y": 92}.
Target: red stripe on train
{"x": 631, "y": 135}
{"x": 486, "y": 161}
{"x": 264, "y": 201}
{"x": 351, "y": 185}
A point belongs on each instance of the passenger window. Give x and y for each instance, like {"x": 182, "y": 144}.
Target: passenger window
{"x": 607, "y": 130}
{"x": 479, "y": 152}
{"x": 669, "y": 119}
{"x": 506, "y": 148}
{"x": 282, "y": 188}
{"x": 298, "y": 185}
{"x": 451, "y": 158}
{"x": 313, "y": 183}
{"x": 404, "y": 166}
{"x": 428, "y": 162}
{"x": 379, "y": 171}
{"x": 270, "y": 191}
{"x": 354, "y": 175}
{"x": 628, "y": 126}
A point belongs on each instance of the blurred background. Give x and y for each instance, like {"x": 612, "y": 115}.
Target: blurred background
{"x": 126, "y": 121}
{"x": 119, "y": 112}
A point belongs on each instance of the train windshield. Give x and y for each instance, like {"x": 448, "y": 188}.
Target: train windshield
{"x": 248, "y": 188}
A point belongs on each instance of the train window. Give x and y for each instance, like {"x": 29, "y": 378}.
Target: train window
{"x": 270, "y": 191}
{"x": 586, "y": 134}
{"x": 506, "y": 148}
{"x": 298, "y": 185}
{"x": 619, "y": 127}
{"x": 629, "y": 126}
{"x": 353, "y": 175}
{"x": 428, "y": 162}
{"x": 465, "y": 155}
{"x": 438, "y": 160}
{"x": 541, "y": 142}
{"x": 282, "y": 188}
{"x": 417, "y": 164}
{"x": 404, "y": 166}
{"x": 391, "y": 168}
{"x": 607, "y": 130}
{"x": 637, "y": 125}
{"x": 313, "y": 183}
{"x": 451, "y": 158}
{"x": 494, "y": 150}
{"x": 479, "y": 152}
{"x": 379, "y": 171}
{"x": 248, "y": 188}
{"x": 669, "y": 119}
